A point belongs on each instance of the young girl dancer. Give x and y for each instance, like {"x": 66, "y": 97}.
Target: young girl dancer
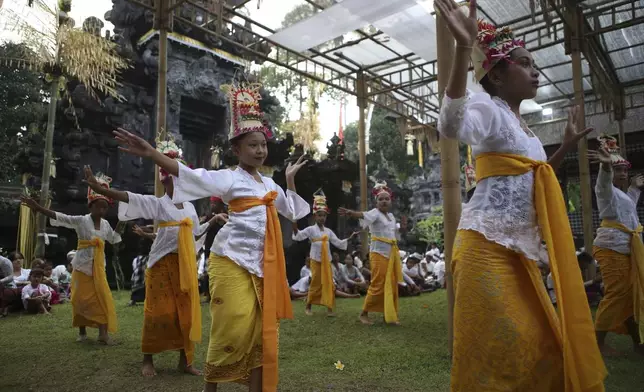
{"x": 172, "y": 314}
{"x": 507, "y": 335}
{"x": 321, "y": 290}
{"x": 247, "y": 270}
{"x": 617, "y": 247}
{"x": 384, "y": 257}
{"x": 92, "y": 303}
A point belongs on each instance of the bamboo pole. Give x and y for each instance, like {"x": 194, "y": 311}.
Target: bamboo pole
{"x": 420, "y": 153}
{"x": 162, "y": 21}
{"x": 584, "y": 166}
{"x": 362, "y": 147}
{"x": 450, "y": 172}
{"x": 622, "y": 138}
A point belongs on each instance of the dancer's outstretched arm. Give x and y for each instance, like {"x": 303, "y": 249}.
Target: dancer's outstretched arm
{"x": 33, "y": 204}
{"x": 350, "y": 213}
{"x": 136, "y": 145}
{"x": 113, "y": 194}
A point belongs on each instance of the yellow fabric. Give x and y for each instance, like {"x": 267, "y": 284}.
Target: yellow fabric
{"x": 325, "y": 271}
{"x": 188, "y": 273}
{"x": 637, "y": 262}
{"x": 235, "y": 346}
{"x": 93, "y": 291}
{"x": 167, "y": 310}
{"x": 375, "y": 299}
{"x": 277, "y": 296}
{"x": 26, "y": 229}
{"x": 504, "y": 323}
{"x": 617, "y": 304}
{"x": 392, "y": 278}
{"x": 583, "y": 364}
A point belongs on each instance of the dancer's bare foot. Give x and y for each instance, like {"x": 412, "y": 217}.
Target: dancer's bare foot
{"x": 364, "y": 319}
{"x": 308, "y": 312}
{"x": 395, "y": 324}
{"x": 189, "y": 369}
{"x": 330, "y": 314}
{"x": 81, "y": 338}
{"x": 147, "y": 370}
{"x": 106, "y": 341}
{"x": 608, "y": 351}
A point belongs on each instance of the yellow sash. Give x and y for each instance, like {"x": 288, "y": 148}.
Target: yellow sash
{"x": 394, "y": 272}
{"x": 277, "y": 299}
{"x": 188, "y": 273}
{"x": 103, "y": 292}
{"x": 637, "y": 259}
{"x": 583, "y": 364}
{"x": 328, "y": 291}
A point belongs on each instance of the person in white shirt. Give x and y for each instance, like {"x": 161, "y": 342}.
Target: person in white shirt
{"x": 301, "y": 288}
{"x": 8, "y": 292}
{"x": 355, "y": 280}
{"x": 20, "y": 275}
{"x": 321, "y": 291}
{"x": 439, "y": 272}
{"x": 357, "y": 261}
{"x": 384, "y": 257}
{"x": 36, "y": 296}
{"x": 62, "y": 274}
{"x": 248, "y": 286}
{"x": 172, "y": 314}
{"x": 92, "y": 302}
{"x": 615, "y": 247}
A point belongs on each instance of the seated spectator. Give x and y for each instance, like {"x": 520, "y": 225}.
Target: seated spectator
{"x": 439, "y": 271}
{"x": 36, "y": 296}
{"x": 355, "y": 281}
{"x": 339, "y": 277}
{"x": 301, "y": 288}
{"x": 592, "y": 286}
{"x": 62, "y": 276}
{"x": 20, "y": 275}
{"x": 9, "y": 293}
{"x": 427, "y": 264}
{"x": 357, "y": 262}
{"x": 48, "y": 281}
{"x": 38, "y": 263}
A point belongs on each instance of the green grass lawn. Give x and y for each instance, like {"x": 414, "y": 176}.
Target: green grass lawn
{"x": 38, "y": 353}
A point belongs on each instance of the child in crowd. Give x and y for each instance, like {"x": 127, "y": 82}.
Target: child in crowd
{"x": 62, "y": 275}
{"x": 49, "y": 282}
{"x": 356, "y": 283}
{"x": 36, "y": 296}
{"x": 301, "y": 288}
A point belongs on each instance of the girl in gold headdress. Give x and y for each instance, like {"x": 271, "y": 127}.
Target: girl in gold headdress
{"x": 247, "y": 270}
{"x": 322, "y": 289}
{"x": 92, "y": 302}
{"x": 507, "y": 335}
{"x": 384, "y": 257}
{"x": 618, "y": 247}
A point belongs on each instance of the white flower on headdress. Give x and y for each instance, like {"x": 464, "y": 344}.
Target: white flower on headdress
{"x": 170, "y": 148}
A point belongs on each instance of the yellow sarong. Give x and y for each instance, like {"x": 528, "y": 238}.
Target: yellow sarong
{"x": 616, "y": 307}
{"x": 276, "y": 298}
{"x": 188, "y": 273}
{"x": 387, "y": 272}
{"x": 321, "y": 290}
{"x": 584, "y": 367}
{"x": 235, "y": 346}
{"x": 167, "y": 310}
{"x": 92, "y": 301}
{"x": 637, "y": 275}
{"x": 503, "y": 341}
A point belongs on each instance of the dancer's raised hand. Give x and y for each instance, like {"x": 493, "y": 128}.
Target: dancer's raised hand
{"x": 571, "y": 135}
{"x": 292, "y": 169}
{"x": 599, "y": 156}
{"x": 638, "y": 181}
{"x": 133, "y": 144}
{"x": 463, "y": 27}
{"x": 90, "y": 180}
{"x": 29, "y": 202}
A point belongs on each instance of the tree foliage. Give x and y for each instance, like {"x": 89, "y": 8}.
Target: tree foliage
{"x": 21, "y": 109}
{"x": 430, "y": 230}
{"x": 387, "y": 148}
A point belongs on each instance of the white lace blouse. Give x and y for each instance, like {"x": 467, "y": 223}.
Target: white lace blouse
{"x": 242, "y": 238}
{"x": 380, "y": 225}
{"x": 502, "y": 208}
{"x": 163, "y": 210}
{"x": 616, "y": 205}
{"x": 83, "y": 260}
{"x": 313, "y": 232}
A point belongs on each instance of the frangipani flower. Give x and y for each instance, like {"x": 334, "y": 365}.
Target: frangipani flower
{"x": 339, "y": 365}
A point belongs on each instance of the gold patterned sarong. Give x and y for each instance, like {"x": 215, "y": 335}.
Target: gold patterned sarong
{"x": 584, "y": 368}
{"x": 167, "y": 310}
{"x": 617, "y": 304}
{"x": 235, "y": 346}
{"x": 503, "y": 335}
{"x": 383, "y": 288}
{"x": 92, "y": 302}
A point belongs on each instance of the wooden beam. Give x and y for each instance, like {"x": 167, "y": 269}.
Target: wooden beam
{"x": 362, "y": 150}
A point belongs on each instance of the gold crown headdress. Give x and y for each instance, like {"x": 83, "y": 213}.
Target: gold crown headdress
{"x": 246, "y": 115}
{"x": 104, "y": 181}
{"x": 381, "y": 187}
{"x": 492, "y": 45}
{"x": 319, "y": 202}
{"x": 169, "y": 148}
{"x": 609, "y": 143}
